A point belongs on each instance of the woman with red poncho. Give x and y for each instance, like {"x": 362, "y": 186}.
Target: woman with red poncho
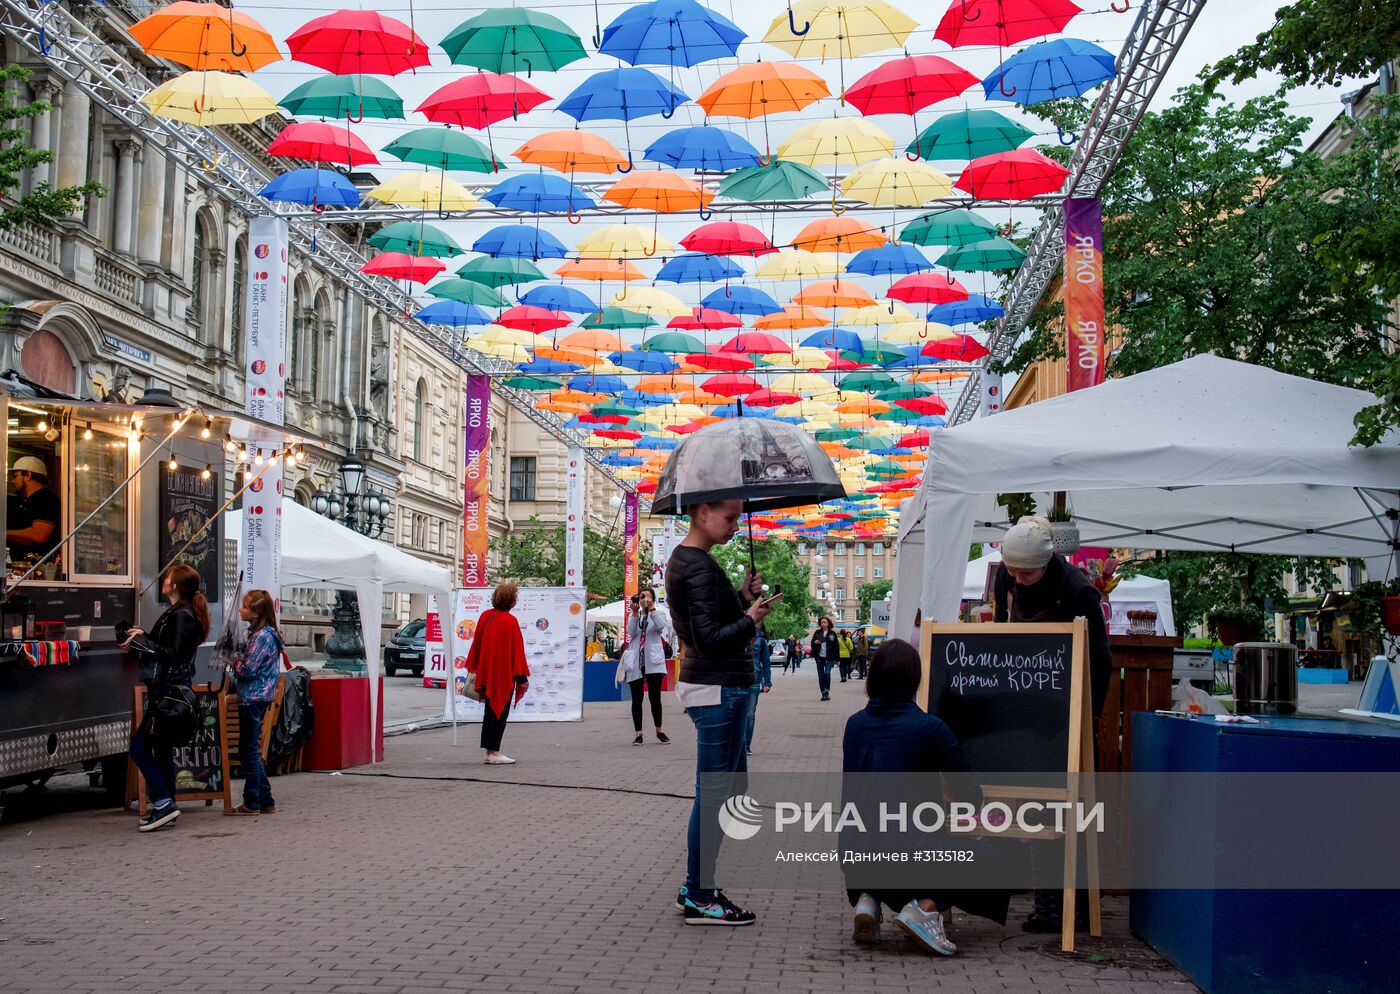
{"x": 497, "y": 658}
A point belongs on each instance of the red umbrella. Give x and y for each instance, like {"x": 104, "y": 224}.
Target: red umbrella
{"x": 317, "y": 141}
{"x": 646, "y": 487}
{"x": 771, "y": 398}
{"x": 895, "y": 486}
{"x": 962, "y": 347}
{"x": 841, "y": 363}
{"x": 1012, "y": 175}
{"x": 927, "y": 288}
{"x": 685, "y": 429}
{"x": 706, "y": 319}
{"x": 604, "y": 419}
{"x": 914, "y": 440}
{"x": 727, "y": 238}
{"x": 527, "y": 317}
{"x": 923, "y": 405}
{"x": 720, "y": 360}
{"x": 623, "y": 433}
{"x": 756, "y": 341}
{"x": 401, "y": 266}
{"x": 903, "y": 86}
{"x": 358, "y": 41}
{"x": 481, "y": 100}
{"x": 731, "y": 385}
{"x": 1003, "y": 22}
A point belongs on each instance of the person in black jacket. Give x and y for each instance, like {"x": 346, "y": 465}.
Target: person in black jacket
{"x": 170, "y": 649}
{"x": 715, "y": 624}
{"x": 826, "y": 652}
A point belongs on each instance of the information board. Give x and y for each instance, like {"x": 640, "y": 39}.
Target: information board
{"x": 187, "y": 503}
{"x": 202, "y": 764}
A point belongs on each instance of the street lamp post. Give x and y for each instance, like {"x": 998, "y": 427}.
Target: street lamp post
{"x": 366, "y": 513}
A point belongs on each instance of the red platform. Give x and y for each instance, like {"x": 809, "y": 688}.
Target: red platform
{"x": 341, "y": 736}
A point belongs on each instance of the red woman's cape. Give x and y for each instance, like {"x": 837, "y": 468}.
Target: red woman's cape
{"x": 497, "y": 657}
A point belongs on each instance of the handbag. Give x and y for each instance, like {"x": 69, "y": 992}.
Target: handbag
{"x": 174, "y": 716}
{"x": 467, "y": 688}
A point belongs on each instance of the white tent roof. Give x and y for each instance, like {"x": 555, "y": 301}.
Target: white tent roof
{"x": 610, "y": 614}
{"x": 1207, "y": 454}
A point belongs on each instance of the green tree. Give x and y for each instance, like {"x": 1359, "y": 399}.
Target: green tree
{"x": 867, "y": 594}
{"x": 535, "y": 555}
{"x": 780, "y": 567}
{"x": 43, "y": 204}
{"x": 1318, "y": 41}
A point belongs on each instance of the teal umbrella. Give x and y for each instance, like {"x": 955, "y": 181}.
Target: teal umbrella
{"x": 532, "y": 383}
{"x": 415, "y": 238}
{"x": 468, "y": 292}
{"x": 500, "y": 272}
{"x": 445, "y": 149}
{"x": 837, "y": 434}
{"x": 779, "y": 180}
{"x": 351, "y": 97}
{"x": 616, "y": 318}
{"x": 966, "y": 134}
{"x": 867, "y": 380}
{"x": 879, "y": 353}
{"x": 675, "y": 342}
{"x": 904, "y": 391}
{"x": 950, "y": 227}
{"x": 993, "y": 253}
{"x": 513, "y": 40}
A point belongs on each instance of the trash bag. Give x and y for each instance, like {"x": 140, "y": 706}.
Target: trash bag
{"x": 1194, "y": 700}
{"x": 297, "y": 720}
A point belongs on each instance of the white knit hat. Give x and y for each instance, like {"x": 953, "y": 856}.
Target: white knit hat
{"x": 1028, "y": 544}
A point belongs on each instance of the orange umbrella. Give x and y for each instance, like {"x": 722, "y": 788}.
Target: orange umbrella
{"x": 862, "y": 405}
{"x": 593, "y": 340}
{"x": 839, "y": 234}
{"x": 206, "y": 36}
{"x": 791, "y": 318}
{"x": 663, "y": 383}
{"x": 663, "y": 192}
{"x": 572, "y": 152}
{"x": 763, "y": 88}
{"x": 935, "y": 376}
{"x": 577, "y": 397}
{"x": 579, "y": 356}
{"x": 561, "y": 406}
{"x": 838, "y": 451}
{"x": 600, "y": 270}
{"x": 834, "y": 293}
{"x": 695, "y": 395}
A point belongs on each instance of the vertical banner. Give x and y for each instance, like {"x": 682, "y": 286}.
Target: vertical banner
{"x": 476, "y": 492}
{"x": 630, "y": 581}
{"x": 265, "y": 373}
{"x": 991, "y": 392}
{"x": 1083, "y": 282}
{"x": 573, "y": 518}
{"x": 435, "y": 647}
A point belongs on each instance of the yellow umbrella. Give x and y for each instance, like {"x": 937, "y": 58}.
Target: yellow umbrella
{"x": 808, "y": 357}
{"x": 652, "y": 301}
{"x": 671, "y": 414}
{"x": 509, "y": 336}
{"x": 877, "y": 316}
{"x": 836, "y": 142}
{"x": 909, "y": 332}
{"x": 845, "y": 28}
{"x": 804, "y": 384}
{"x": 206, "y": 98}
{"x": 499, "y": 350}
{"x": 622, "y": 241}
{"x": 799, "y": 264}
{"x": 812, "y": 410}
{"x": 896, "y": 183}
{"x": 427, "y": 191}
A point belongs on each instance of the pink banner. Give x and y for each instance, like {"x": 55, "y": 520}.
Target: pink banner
{"x": 1084, "y": 317}
{"x": 630, "y": 585}
{"x": 476, "y": 499}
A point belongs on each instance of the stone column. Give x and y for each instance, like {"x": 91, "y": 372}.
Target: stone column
{"x": 150, "y": 228}
{"x": 47, "y": 89}
{"x": 125, "y": 201}
{"x": 73, "y": 137}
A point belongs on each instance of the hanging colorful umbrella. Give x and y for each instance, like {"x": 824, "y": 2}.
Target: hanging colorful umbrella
{"x": 571, "y": 152}
{"x": 731, "y": 384}
{"x": 706, "y": 319}
{"x": 948, "y": 227}
{"x": 206, "y": 36}
{"x": 652, "y": 300}
{"x": 994, "y": 253}
{"x": 896, "y": 183}
{"x": 728, "y": 238}
{"x": 927, "y": 288}
{"x": 520, "y": 241}
{"x": 698, "y": 267}
{"x": 622, "y": 241}
{"x": 704, "y": 148}
{"x": 839, "y": 28}
{"x": 1003, "y": 22}
{"x": 349, "y": 42}
{"x": 663, "y": 192}
{"x": 541, "y": 194}
{"x": 888, "y": 260}
{"x": 741, "y": 300}
{"x": 839, "y": 141}
{"x": 756, "y": 342}
{"x": 798, "y": 264}
{"x": 974, "y": 310}
{"x": 622, "y": 95}
{"x": 1013, "y": 175}
{"x": 514, "y": 39}
{"x": 674, "y": 342}
{"x": 964, "y": 348}
{"x": 351, "y": 97}
{"x": 875, "y": 316}
{"x": 720, "y": 360}
{"x": 532, "y": 319}
{"x": 762, "y": 88}
{"x": 208, "y": 98}
{"x": 669, "y": 33}
{"x": 1050, "y": 70}
{"x": 454, "y": 314}
{"x": 425, "y": 192}
{"x": 314, "y": 187}
{"x": 495, "y": 272}
{"x": 834, "y": 293}
{"x": 400, "y": 266}
{"x": 779, "y": 180}
{"x": 610, "y": 318}
{"x": 600, "y": 270}
{"x": 966, "y": 134}
{"x": 415, "y": 238}
{"x": 317, "y": 141}
{"x": 835, "y": 338}
{"x": 907, "y": 85}
{"x": 794, "y": 317}
{"x": 445, "y": 149}
{"x": 839, "y": 234}
{"x": 468, "y": 292}
{"x": 481, "y": 99}
{"x": 559, "y": 298}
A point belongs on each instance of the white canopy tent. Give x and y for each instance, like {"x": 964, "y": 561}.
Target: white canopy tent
{"x": 317, "y": 552}
{"x": 607, "y": 614}
{"x": 1207, "y": 454}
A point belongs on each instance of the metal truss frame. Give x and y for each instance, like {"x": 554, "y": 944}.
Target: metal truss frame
{"x": 1157, "y": 33}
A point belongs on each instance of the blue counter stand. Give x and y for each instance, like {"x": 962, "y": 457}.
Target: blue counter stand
{"x": 598, "y": 682}
{"x": 1274, "y": 941}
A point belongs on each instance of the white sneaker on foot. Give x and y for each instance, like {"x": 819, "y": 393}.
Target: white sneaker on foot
{"x": 925, "y": 929}
{"x": 501, "y": 760}
{"x": 866, "y": 929}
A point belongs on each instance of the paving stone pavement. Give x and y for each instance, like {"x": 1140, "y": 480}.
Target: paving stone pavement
{"x": 432, "y": 872}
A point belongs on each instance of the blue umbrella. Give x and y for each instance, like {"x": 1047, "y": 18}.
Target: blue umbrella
{"x": 888, "y": 260}
{"x": 555, "y": 297}
{"x": 697, "y": 267}
{"x": 453, "y": 313}
{"x": 622, "y": 95}
{"x": 598, "y": 384}
{"x": 541, "y": 193}
{"x": 1065, "y": 67}
{"x": 544, "y": 367}
{"x": 617, "y": 459}
{"x": 974, "y": 310}
{"x": 741, "y": 300}
{"x": 911, "y": 358}
{"x": 313, "y": 187}
{"x": 836, "y": 338}
{"x": 644, "y": 362}
{"x": 520, "y": 241}
{"x": 702, "y": 147}
{"x": 635, "y": 398}
{"x": 670, "y": 33}
{"x": 656, "y": 443}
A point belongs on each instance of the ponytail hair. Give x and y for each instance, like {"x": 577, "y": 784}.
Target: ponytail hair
{"x": 185, "y": 579}
{"x": 259, "y": 604}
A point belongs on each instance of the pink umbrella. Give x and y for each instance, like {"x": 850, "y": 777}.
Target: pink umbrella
{"x": 728, "y": 238}
{"x": 480, "y": 100}
{"x": 706, "y": 319}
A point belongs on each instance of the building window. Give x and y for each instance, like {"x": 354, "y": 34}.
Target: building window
{"x": 420, "y": 410}
{"x": 240, "y": 273}
{"x": 522, "y": 477}
{"x": 840, "y": 548}
{"x": 877, "y": 571}
{"x": 860, "y": 572}
{"x": 840, "y": 593}
{"x": 879, "y": 548}
{"x": 840, "y": 571}
{"x": 801, "y": 549}
{"x": 199, "y": 267}
{"x": 860, "y": 548}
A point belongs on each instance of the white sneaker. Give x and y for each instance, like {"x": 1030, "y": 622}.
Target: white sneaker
{"x": 925, "y": 929}
{"x": 866, "y": 929}
{"x": 501, "y": 760}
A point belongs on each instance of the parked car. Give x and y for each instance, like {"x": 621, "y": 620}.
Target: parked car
{"x": 778, "y": 655}
{"x": 407, "y": 649}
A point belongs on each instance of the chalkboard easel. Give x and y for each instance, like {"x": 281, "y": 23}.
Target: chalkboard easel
{"x": 1017, "y": 697}
{"x": 204, "y": 762}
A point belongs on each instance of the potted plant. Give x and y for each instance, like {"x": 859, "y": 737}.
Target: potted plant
{"x": 1377, "y": 603}
{"x": 1236, "y": 623}
{"x": 1064, "y": 532}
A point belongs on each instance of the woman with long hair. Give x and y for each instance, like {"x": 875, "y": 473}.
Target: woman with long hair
{"x": 256, "y": 677}
{"x": 644, "y": 660}
{"x": 497, "y": 657}
{"x": 826, "y": 648}
{"x": 171, "y": 646}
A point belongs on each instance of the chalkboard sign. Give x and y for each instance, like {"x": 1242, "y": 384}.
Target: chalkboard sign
{"x": 202, "y": 764}
{"x": 187, "y": 503}
{"x": 1010, "y": 693}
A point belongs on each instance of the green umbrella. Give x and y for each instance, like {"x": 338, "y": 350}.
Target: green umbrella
{"x": 879, "y": 353}
{"x": 445, "y": 149}
{"x": 898, "y": 415}
{"x": 468, "y": 292}
{"x": 865, "y": 496}
{"x": 949, "y": 227}
{"x": 867, "y": 380}
{"x": 613, "y": 409}
{"x": 904, "y": 391}
{"x": 866, "y": 444}
{"x": 837, "y": 434}
{"x": 966, "y": 134}
{"x": 674, "y": 342}
{"x": 779, "y": 180}
{"x": 415, "y": 238}
{"x": 885, "y": 467}
{"x": 500, "y": 272}
{"x": 532, "y": 383}
{"x": 993, "y": 253}
{"x": 352, "y": 97}
{"x": 513, "y": 40}
{"x": 617, "y": 318}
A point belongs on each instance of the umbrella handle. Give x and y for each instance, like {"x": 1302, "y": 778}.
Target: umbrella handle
{"x": 668, "y": 114}
{"x": 529, "y": 67}
{"x": 792, "y": 25}
{"x": 630, "y": 164}
{"x": 44, "y": 47}
{"x": 233, "y": 46}
{"x": 766, "y": 160}
{"x": 574, "y": 218}
{"x": 361, "y": 117}
{"x": 967, "y": 14}
{"x": 199, "y": 105}
{"x": 836, "y": 208}
{"x": 1001, "y": 85}
{"x": 1069, "y": 139}
{"x": 705, "y": 215}
{"x": 1127, "y": 6}
{"x": 208, "y": 166}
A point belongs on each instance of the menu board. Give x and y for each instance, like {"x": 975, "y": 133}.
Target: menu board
{"x": 99, "y": 469}
{"x": 187, "y": 503}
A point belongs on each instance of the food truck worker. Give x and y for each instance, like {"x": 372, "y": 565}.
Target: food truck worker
{"x": 34, "y": 514}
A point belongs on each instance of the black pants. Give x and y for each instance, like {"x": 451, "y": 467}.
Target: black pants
{"x": 492, "y": 728}
{"x": 653, "y": 689}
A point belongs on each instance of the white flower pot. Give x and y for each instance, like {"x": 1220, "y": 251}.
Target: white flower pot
{"x": 1064, "y": 536}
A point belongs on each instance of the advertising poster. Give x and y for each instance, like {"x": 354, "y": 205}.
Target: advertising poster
{"x": 187, "y": 502}
{"x": 991, "y": 393}
{"x": 573, "y": 518}
{"x": 630, "y": 564}
{"x": 551, "y": 623}
{"x": 1084, "y": 319}
{"x": 476, "y": 500}
{"x": 435, "y": 650}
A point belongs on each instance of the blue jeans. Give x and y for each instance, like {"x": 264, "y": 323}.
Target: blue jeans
{"x": 721, "y": 736}
{"x": 824, "y": 676}
{"x": 156, "y": 761}
{"x": 257, "y": 792}
{"x": 754, "y": 693}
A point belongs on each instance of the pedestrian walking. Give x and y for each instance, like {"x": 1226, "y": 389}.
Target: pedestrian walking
{"x": 794, "y": 653}
{"x": 714, "y": 625}
{"x": 843, "y": 650}
{"x": 255, "y": 676}
{"x": 862, "y": 653}
{"x": 825, "y": 650}
{"x": 167, "y": 669}
{"x": 644, "y": 660}
{"x": 762, "y": 676}
{"x": 497, "y": 658}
